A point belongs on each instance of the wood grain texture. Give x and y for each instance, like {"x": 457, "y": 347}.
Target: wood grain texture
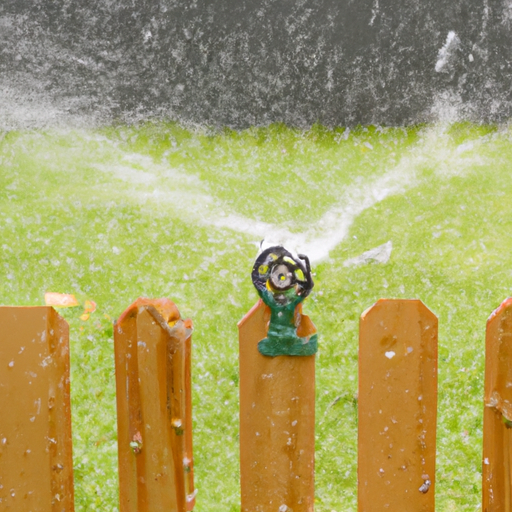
{"x": 36, "y": 466}
{"x": 397, "y": 407}
{"x": 497, "y": 454}
{"x": 277, "y": 422}
{"x": 152, "y": 347}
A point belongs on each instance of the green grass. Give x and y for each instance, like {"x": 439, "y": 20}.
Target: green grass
{"x": 123, "y": 212}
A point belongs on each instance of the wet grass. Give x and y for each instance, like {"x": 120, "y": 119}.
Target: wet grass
{"x": 123, "y": 212}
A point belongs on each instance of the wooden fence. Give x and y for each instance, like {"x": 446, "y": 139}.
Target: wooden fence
{"x": 397, "y": 412}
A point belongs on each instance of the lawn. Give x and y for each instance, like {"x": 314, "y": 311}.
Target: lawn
{"x": 158, "y": 210}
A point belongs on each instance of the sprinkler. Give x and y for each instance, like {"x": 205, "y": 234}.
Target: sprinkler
{"x": 283, "y": 282}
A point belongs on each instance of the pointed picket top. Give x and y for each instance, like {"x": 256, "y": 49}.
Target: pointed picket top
{"x": 36, "y": 466}
{"x": 497, "y": 444}
{"x": 397, "y": 407}
{"x": 154, "y": 407}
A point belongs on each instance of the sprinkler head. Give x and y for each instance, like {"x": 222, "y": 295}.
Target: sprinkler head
{"x": 277, "y": 270}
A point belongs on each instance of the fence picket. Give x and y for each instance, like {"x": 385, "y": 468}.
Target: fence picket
{"x": 397, "y": 407}
{"x": 152, "y": 350}
{"x": 36, "y": 466}
{"x": 497, "y": 444}
{"x": 277, "y": 421}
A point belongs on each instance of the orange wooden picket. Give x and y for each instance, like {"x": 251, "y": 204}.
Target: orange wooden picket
{"x": 152, "y": 350}
{"x": 497, "y": 446}
{"x": 36, "y": 466}
{"x": 397, "y": 407}
{"x": 277, "y": 421}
